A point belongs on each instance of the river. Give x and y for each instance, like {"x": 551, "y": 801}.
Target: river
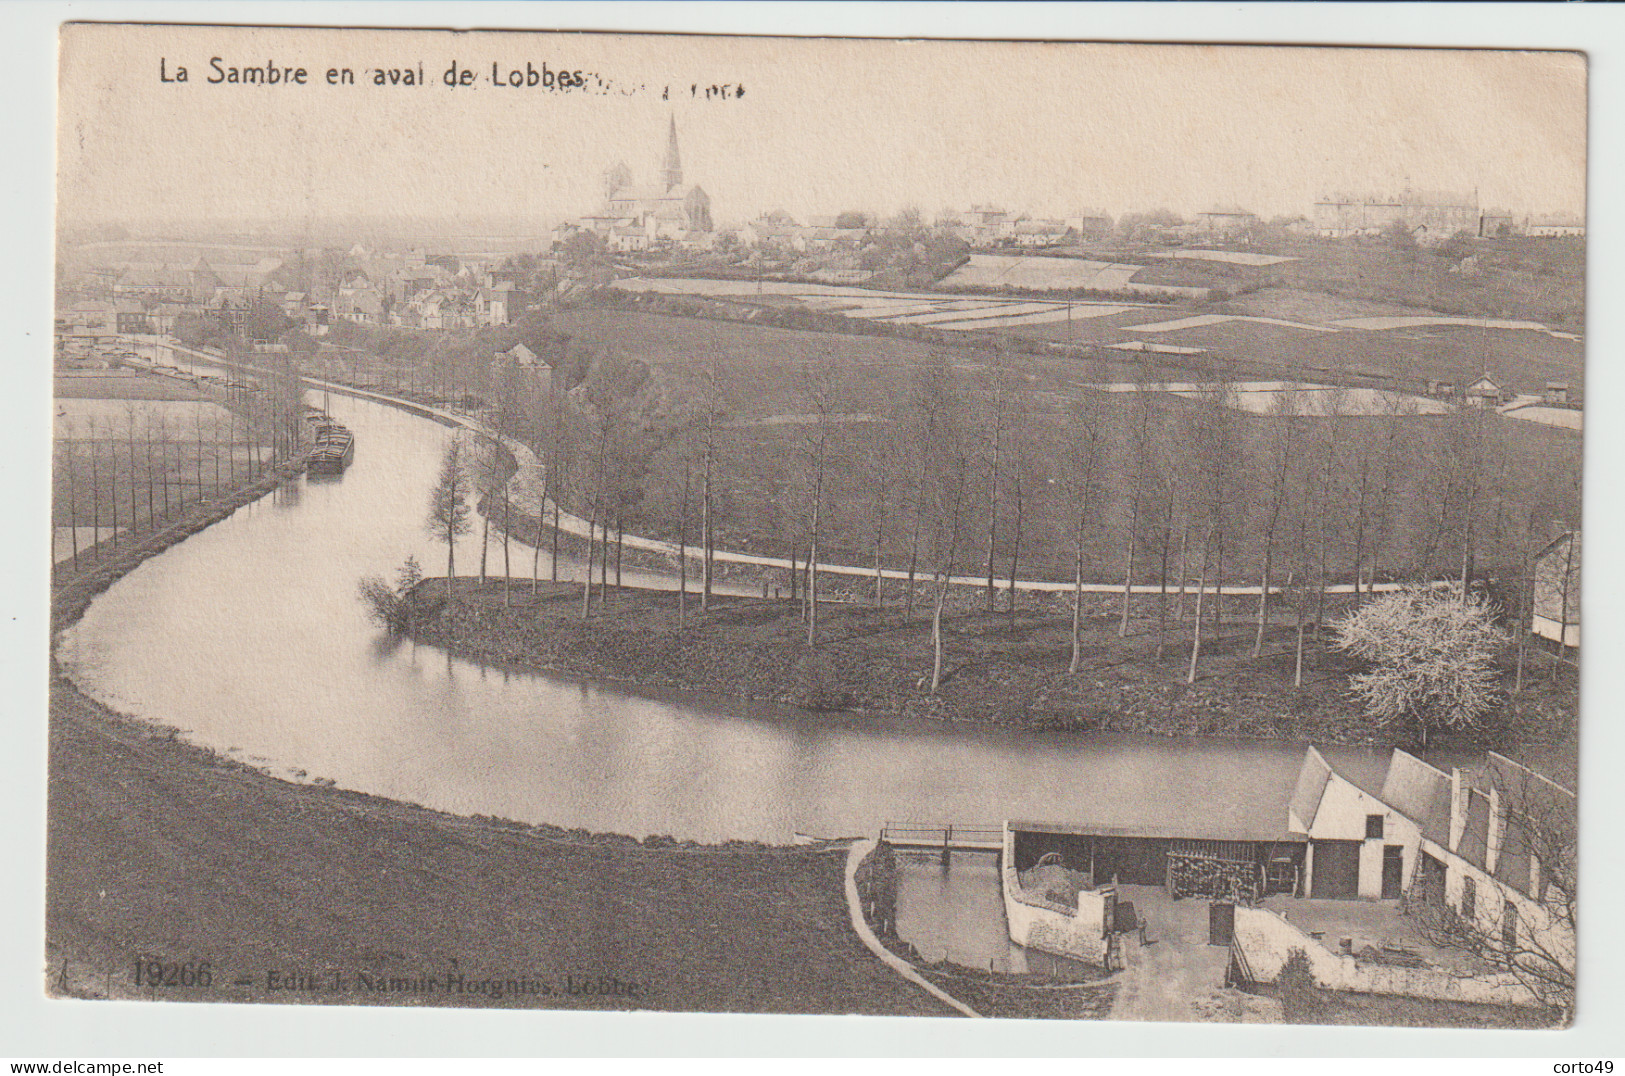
{"x": 249, "y": 637}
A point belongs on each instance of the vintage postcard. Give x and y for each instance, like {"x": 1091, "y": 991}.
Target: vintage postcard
{"x": 916, "y": 528}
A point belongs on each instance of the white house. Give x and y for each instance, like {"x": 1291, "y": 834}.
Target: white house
{"x": 1482, "y": 842}
{"x": 1501, "y": 860}
{"x": 1360, "y": 845}
{"x": 1556, "y": 612}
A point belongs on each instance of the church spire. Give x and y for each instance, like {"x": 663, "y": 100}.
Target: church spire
{"x": 672, "y": 171}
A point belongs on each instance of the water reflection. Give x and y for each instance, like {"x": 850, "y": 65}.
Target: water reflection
{"x": 953, "y": 910}
{"x": 250, "y": 634}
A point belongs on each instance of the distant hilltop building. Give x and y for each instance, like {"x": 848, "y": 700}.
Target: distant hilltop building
{"x": 1431, "y": 213}
{"x": 636, "y": 217}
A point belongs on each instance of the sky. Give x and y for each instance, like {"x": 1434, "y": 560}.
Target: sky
{"x": 822, "y": 126}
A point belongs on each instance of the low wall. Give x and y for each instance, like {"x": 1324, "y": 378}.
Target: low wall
{"x": 1036, "y": 923}
{"x": 1265, "y": 941}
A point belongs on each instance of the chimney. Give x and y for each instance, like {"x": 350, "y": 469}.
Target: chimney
{"x": 1458, "y": 807}
{"x": 1492, "y": 843}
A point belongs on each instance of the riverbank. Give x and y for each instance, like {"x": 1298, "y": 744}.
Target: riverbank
{"x": 230, "y": 885}
{"x": 160, "y": 851}
{"x": 997, "y": 669}
{"x": 74, "y": 586}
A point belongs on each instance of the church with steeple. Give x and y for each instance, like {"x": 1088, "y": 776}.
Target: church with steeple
{"x": 666, "y": 210}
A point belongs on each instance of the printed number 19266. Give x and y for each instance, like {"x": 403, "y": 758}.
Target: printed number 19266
{"x": 157, "y": 973}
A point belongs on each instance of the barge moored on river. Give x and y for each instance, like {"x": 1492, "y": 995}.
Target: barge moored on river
{"x": 333, "y": 448}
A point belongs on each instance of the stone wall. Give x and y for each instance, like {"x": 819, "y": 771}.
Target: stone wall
{"x": 1265, "y": 940}
{"x": 1037, "y": 923}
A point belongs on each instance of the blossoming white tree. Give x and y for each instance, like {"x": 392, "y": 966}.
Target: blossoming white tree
{"x": 1432, "y": 657}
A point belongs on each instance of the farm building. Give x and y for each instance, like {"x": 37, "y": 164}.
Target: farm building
{"x": 1498, "y": 855}
{"x": 1555, "y": 393}
{"x": 1556, "y": 596}
{"x": 1332, "y": 836}
{"x": 1362, "y": 842}
{"x": 1551, "y": 227}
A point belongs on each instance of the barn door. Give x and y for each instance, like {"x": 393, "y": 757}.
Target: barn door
{"x": 1336, "y": 870}
{"x": 1393, "y": 870}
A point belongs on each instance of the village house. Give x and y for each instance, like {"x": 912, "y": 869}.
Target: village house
{"x": 981, "y": 225}
{"x": 766, "y": 233}
{"x": 539, "y": 369}
{"x": 145, "y": 283}
{"x": 361, "y": 305}
{"x": 93, "y": 314}
{"x": 1484, "y": 392}
{"x": 1556, "y": 591}
{"x": 165, "y": 317}
{"x": 494, "y": 304}
{"x": 628, "y": 237}
{"x": 1090, "y": 223}
{"x": 1495, "y": 223}
{"x": 131, "y": 317}
{"x": 1226, "y": 222}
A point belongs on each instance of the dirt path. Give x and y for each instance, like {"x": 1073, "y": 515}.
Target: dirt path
{"x": 1176, "y": 976}
{"x": 531, "y": 470}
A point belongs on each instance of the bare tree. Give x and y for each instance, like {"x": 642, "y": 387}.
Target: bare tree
{"x": 164, "y": 458}
{"x": 1087, "y": 439}
{"x": 491, "y": 472}
{"x": 595, "y": 499}
{"x": 682, "y": 540}
{"x": 712, "y": 416}
{"x": 448, "y": 506}
{"x": 884, "y": 479}
{"x": 1283, "y": 453}
{"x": 939, "y": 435}
{"x": 95, "y": 492}
{"x": 70, "y": 468}
{"x": 1211, "y": 444}
{"x": 819, "y": 387}
{"x": 1139, "y": 470}
{"x": 1397, "y": 455}
{"x": 1018, "y": 457}
{"x": 995, "y": 444}
{"x": 1332, "y": 438}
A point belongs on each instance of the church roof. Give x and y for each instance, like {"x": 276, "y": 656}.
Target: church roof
{"x": 671, "y": 170}
{"x": 649, "y": 194}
